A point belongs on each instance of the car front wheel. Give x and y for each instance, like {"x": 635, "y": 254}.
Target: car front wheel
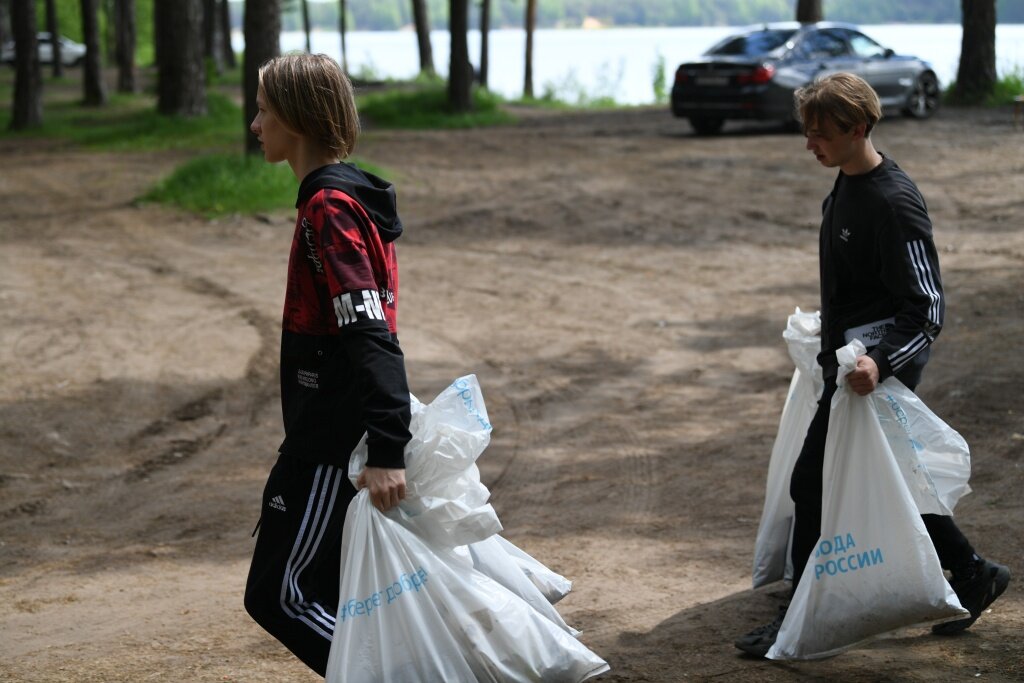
{"x": 924, "y": 98}
{"x": 704, "y": 125}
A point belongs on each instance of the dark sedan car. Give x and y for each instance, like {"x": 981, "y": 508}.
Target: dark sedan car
{"x": 752, "y": 75}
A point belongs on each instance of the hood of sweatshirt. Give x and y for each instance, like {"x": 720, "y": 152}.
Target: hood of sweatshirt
{"x": 375, "y": 195}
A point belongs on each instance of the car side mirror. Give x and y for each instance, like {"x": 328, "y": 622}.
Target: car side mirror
{"x": 889, "y": 52}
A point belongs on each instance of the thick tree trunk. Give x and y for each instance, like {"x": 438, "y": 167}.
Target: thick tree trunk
{"x": 125, "y": 13}
{"x": 808, "y": 11}
{"x": 28, "y": 79}
{"x": 422, "y": 21}
{"x": 181, "y": 82}
{"x": 53, "y": 26}
{"x": 343, "y": 29}
{"x": 262, "y": 28}
{"x": 460, "y": 74}
{"x": 531, "y": 23}
{"x": 976, "y": 75}
{"x": 230, "y": 61}
{"x": 5, "y": 21}
{"x": 95, "y": 90}
{"x": 485, "y": 32}
{"x": 305, "y": 26}
{"x": 212, "y": 35}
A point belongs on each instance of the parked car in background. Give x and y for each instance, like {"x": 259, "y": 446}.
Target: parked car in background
{"x": 753, "y": 74}
{"x": 71, "y": 53}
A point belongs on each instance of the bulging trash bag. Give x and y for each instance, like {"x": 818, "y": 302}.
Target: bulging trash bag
{"x": 934, "y": 458}
{"x": 446, "y": 503}
{"x": 874, "y": 569}
{"x": 551, "y": 584}
{"x": 492, "y": 557}
{"x": 774, "y": 534}
{"x": 413, "y": 607}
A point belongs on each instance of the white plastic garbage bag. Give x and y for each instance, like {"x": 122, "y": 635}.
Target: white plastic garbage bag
{"x": 551, "y": 584}
{"x": 774, "y": 534}
{"x": 874, "y": 569}
{"x": 419, "y": 614}
{"x": 934, "y": 458}
{"x": 413, "y": 608}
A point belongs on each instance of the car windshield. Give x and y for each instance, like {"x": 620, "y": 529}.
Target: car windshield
{"x": 752, "y": 44}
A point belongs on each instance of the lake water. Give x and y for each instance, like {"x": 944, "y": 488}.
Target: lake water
{"x": 620, "y": 62}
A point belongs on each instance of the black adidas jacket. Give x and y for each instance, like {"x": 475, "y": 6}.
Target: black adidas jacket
{"x": 880, "y": 278}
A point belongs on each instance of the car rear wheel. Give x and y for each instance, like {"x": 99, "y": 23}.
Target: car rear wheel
{"x": 704, "y": 125}
{"x": 924, "y": 99}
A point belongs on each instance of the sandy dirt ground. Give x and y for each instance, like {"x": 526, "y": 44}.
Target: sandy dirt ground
{"x": 618, "y": 285}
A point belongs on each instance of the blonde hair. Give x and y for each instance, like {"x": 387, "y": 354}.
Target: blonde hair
{"x": 842, "y": 98}
{"x": 313, "y": 97}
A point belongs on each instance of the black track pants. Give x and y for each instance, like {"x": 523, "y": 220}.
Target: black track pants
{"x": 292, "y": 590}
{"x": 805, "y": 488}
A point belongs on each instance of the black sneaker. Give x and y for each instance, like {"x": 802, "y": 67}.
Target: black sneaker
{"x": 976, "y": 593}
{"x": 761, "y": 639}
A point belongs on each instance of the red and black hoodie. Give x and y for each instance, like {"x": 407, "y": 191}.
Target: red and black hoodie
{"x": 342, "y": 371}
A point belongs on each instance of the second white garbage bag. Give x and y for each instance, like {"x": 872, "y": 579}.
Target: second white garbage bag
{"x": 874, "y": 569}
{"x": 774, "y": 534}
{"x": 413, "y": 607}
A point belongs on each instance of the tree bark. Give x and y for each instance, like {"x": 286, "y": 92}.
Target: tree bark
{"x": 181, "y": 82}
{"x": 212, "y": 35}
{"x": 262, "y": 28}
{"x": 124, "y": 10}
{"x": 343, "y": 29}
{"x": 976, "y": 74}
{"x": 306, "y": 27}
{"x": 28, "y": 78}
{"x": 808, "y": 11}
{"x": 53, "y": 26}
{"x": 531, "y": 23}
{"x": 95, "y": 90}
{"x": 485, "y": 32}
{"x": 422, "y": 21}
{"x": 225, "y": 25}
{"x": 5, "y": 21}
{"x": 460, "y": 77}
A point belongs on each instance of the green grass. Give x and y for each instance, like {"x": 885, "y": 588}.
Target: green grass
{"x": 1007, "y": 86}
{"x": 222, "y": 184}
{"x": 131, "y": 123}
{"x": 427, "y": 107}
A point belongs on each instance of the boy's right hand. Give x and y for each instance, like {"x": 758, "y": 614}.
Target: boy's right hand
{"x": 386, "y": 485}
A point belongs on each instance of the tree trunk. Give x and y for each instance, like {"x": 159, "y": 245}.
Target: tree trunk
{"x": 976, "y": 75}
{"x": 53, "y": 26}
{"x": 28, "y": 79}
{"x": 422, "y": 21}
{"x": 181, "y": 82}
{"x": 124, "y": 10}
{"x": 212, "y": 33}
{"x": 808, "y": 11}
{"x": 262, "y": 28}
{"x": 460, "y": 77}
{"x": 225, "y": 26}
{"x": 95, "y": 90}
{"x": 343, "y": 29}
{"x": 306, "y": 26}
{"x": 485, "y": 32}
{"x": 5, "y": 21}
{"x": 531, "y": 23}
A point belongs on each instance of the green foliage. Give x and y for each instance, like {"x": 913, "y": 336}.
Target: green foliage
{"x": 131, "y": 123}
{"x": 69, "y": 22}
{"x": 1006, "y": 87}
{"x": 660, "y": 80}
{"x": 223, "y": 184}
{"x": 427, "y": 107}
{"x": 226, "y": 183}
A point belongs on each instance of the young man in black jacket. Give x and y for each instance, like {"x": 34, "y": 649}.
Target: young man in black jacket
{"x": 880, "y": 283}
{"x": 342, "y": 371}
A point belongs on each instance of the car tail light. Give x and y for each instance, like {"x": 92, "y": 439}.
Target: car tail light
{"x": 761, "y": 74}
{"x": 682, "y": 76}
